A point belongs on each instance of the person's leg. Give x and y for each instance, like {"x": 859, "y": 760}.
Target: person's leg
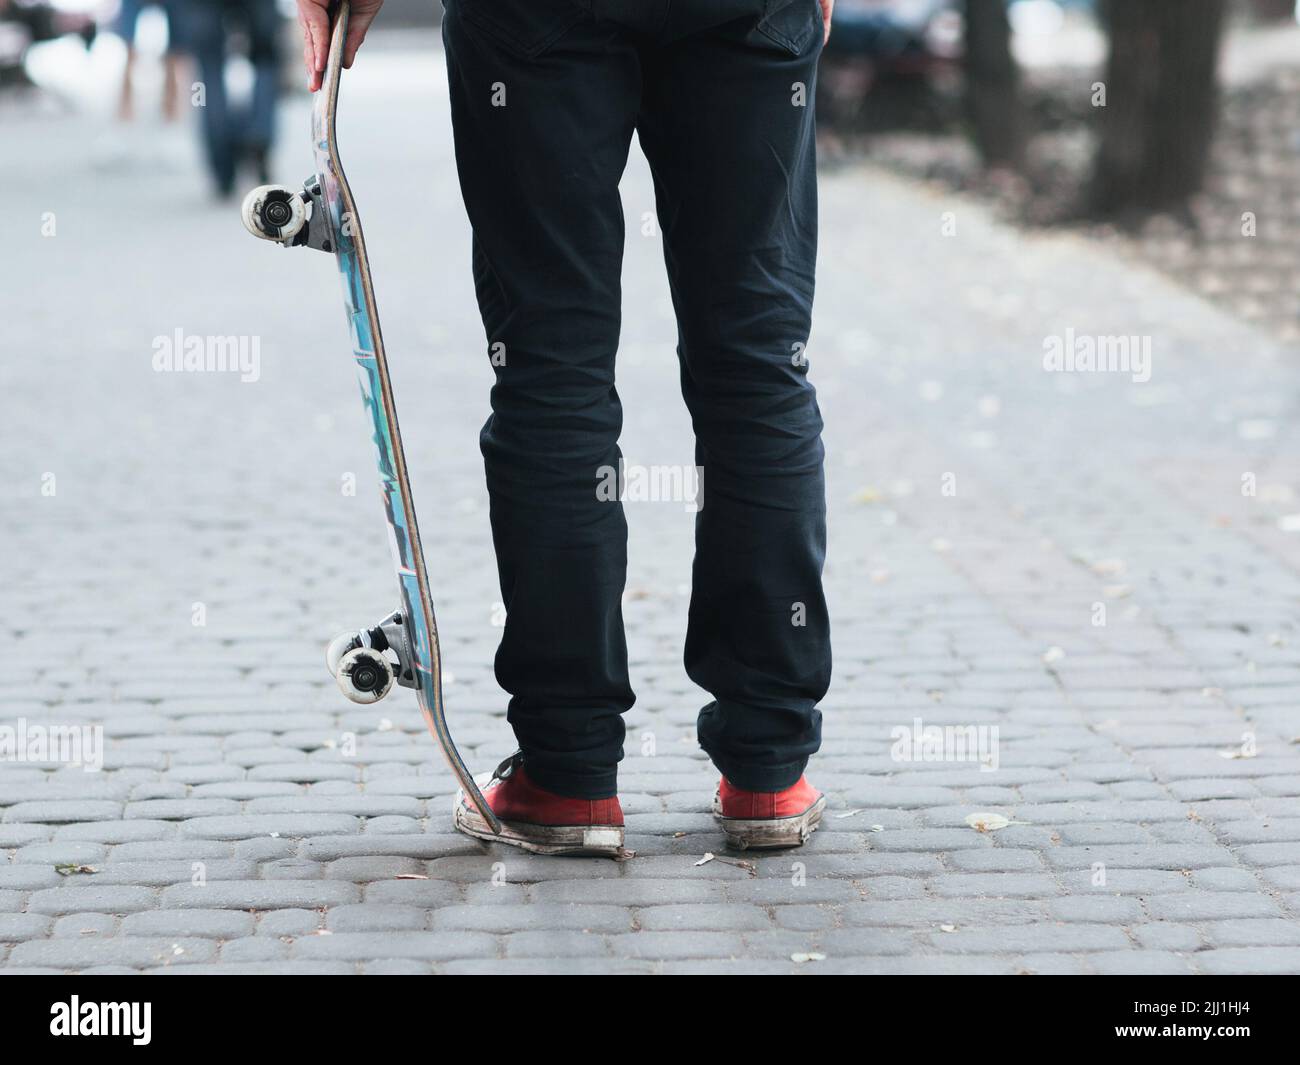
{"x": 128, "y": 18}
{"x": 263, "y": 22}
{"x": 172, "y": 59}
{"x": 543, "y": 102}
{"x": 728, "y": 128}
{"x": 205, "y": 35}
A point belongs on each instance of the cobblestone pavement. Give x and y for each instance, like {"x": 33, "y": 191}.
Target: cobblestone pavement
{"x": 1076, "y": 560}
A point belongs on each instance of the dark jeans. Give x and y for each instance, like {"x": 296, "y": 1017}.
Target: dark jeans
{"x": 545, "y": 97}
{"x": 229, "y": 132}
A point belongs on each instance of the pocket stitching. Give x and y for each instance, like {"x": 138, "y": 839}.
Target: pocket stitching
{"x": 508, "y": 40}
{"x": 796, "y": 47}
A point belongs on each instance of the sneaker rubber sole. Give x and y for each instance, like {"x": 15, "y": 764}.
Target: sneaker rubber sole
{"x": 603, "y": 841}
{"x": 769, "y": 833}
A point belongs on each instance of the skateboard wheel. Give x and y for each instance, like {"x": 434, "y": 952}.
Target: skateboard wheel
{"x": 364, "y": 675}
{"x": 274, "y": 212}
{"x": 338, "y": 647}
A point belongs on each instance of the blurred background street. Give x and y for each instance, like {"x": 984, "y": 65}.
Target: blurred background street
{"x": 1103, "y": 565}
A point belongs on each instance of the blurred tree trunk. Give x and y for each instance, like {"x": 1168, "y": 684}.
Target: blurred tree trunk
{"x": 1161, "y": 96}
{"x": 993, "y": 85}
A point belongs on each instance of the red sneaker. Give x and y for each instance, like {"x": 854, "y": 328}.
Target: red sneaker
{"x": 540, "y": 821}
{"x": 768, "y": 819}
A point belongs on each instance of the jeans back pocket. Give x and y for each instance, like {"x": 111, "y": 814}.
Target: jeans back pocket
{"x": 526, "y": 28}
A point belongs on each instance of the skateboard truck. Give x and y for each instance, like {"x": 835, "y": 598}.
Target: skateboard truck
{"x": 360, "y": 664}
{"x": 277, "y": 213}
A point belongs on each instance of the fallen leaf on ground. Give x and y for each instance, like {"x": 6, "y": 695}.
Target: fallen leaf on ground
{"x": 984, "y": 821}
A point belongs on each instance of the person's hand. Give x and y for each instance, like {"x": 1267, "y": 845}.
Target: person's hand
{"x": 314, "y": 18}
{"x": 827, "y": 5}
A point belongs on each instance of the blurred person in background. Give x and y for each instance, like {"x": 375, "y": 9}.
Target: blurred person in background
{"x": 235, "y": 135}
{"x": 125, "y": 25}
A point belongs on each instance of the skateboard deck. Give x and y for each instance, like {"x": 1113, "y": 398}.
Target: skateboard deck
{"x": 411, "y": 633}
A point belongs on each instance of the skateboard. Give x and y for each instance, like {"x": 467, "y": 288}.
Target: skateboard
{"x": 402, "y": 648}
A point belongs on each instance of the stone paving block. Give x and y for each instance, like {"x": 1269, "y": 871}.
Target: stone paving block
{"x": 28, "y": 877}
{"x": 84, "y": 924}
{"x": 556, "y": 943}
{"x": 427, "y": 893}
{"x": 428, "y": 946}
{"x": 547, "y": 967}
{"x": 1210, "y": 906}
{"x": 895, "y": 887}
{"x": 330, "y": 848}
{"x": 632, "y": 892}
{"x": 354, "y": 803}
{"x": 929, "y": 840}
{"x": 116, "y": 831}
{"x": 259, "y": 895}
{"x": 13, "y": 835}
{"x": 1246, "y": 961}
{"x": 1100, "y": 909}
{"x": 63, "y": 811}
{"x": 70, "y": 898}
{"x": 928, "y": 912}
{"x": 1140, "y": 963}
{"x": 730, "y": 916}
{"x": 288, "y": 922}
{"x": 180, "y": 809}
{"x": 287, "y": 968}
{"x": 995, "y": 885}
{"x": 774, "y": 890}
{"x": 161, "y": 874}
{"x": 658, "y": 946}
{"x": 63, "y": 853}
{"x": 391, "y": 825}
{"x": 1069, "y": 938}
{"x": 1224, "y": 880}
{"x": 1124, "y": 881}
{"x": 263, "y": 848}
{"x": 15, "y": 927}
{"x": 1103, "y": 832}
{"x": 183, "y": 850}
{"x": 508, "y": 918}
{"x": 1198, "y": 790}
{"x": 256, "y": 949}
{"x": 996, "y": 860}
{"x": 810, "y": 918}
{"x": 1154, "y": 856}
{"x": 1265, "y": 854}
{"x": 1285, "y": 877}
{"x": 867, "y": 965}
{"x": 363, "y": 870}
{"x": 247, "y": 826}
{"x": 1166, "y": 936}
{"x": 1264, "y": 932}
{"x": 397, "y": 967}
{"x": 189, "y": 924}
{"x": 136, "y": 953}
{"x": 376, "y": 917}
